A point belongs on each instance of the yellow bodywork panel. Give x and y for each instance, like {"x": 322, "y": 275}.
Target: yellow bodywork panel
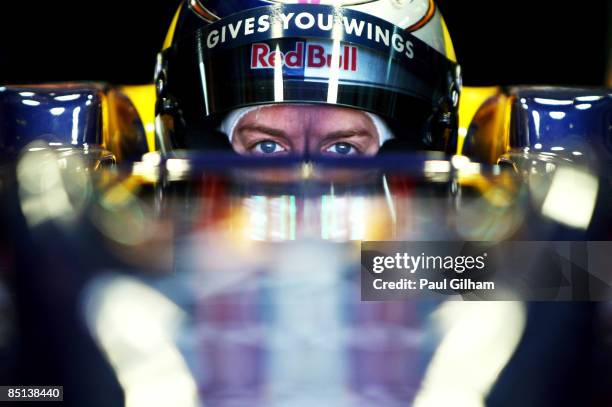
{"x": 143, "y": 98}
{"x": 489, "y": 131}
{"x": 471, "y": 100}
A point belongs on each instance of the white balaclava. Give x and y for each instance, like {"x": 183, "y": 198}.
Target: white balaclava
{"x": 228, "y": 126}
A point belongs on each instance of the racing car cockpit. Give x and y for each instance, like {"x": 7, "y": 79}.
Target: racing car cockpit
{"x": 199, "y": 240}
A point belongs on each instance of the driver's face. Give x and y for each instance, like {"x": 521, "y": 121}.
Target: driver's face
{"x": 301, "y": 129}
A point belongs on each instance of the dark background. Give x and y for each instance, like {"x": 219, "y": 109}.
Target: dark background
{"x": 497, "y": 42}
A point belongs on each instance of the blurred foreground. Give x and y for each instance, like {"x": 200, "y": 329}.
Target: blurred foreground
{"x": 224, "y": 281}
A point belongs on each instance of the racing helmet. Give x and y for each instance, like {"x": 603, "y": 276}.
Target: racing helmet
{"x": 393, "y": 59}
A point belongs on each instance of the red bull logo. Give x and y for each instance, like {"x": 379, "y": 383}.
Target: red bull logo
{"x": 305, "y": 55}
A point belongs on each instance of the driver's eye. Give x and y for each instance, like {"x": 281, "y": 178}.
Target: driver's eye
{"x": 342, "y": 149}
{"x": 268, "y": 147}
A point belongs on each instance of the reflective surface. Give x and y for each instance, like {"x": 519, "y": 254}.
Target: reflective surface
{"x": 567, "y": 124}
{"x": 220, "y": 281}
{"x": 64, "y": 115}
{"x": 70, "y": 116}
{"x": 573, "y": 124}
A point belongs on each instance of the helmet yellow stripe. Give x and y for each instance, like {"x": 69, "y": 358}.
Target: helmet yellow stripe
{"x": 448, "y": 43}
{"x": 170, "y": 35}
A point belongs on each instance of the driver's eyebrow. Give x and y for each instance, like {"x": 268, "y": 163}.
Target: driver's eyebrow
{"x": 348, "y": 133}
{"x": 262, "y": 129}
